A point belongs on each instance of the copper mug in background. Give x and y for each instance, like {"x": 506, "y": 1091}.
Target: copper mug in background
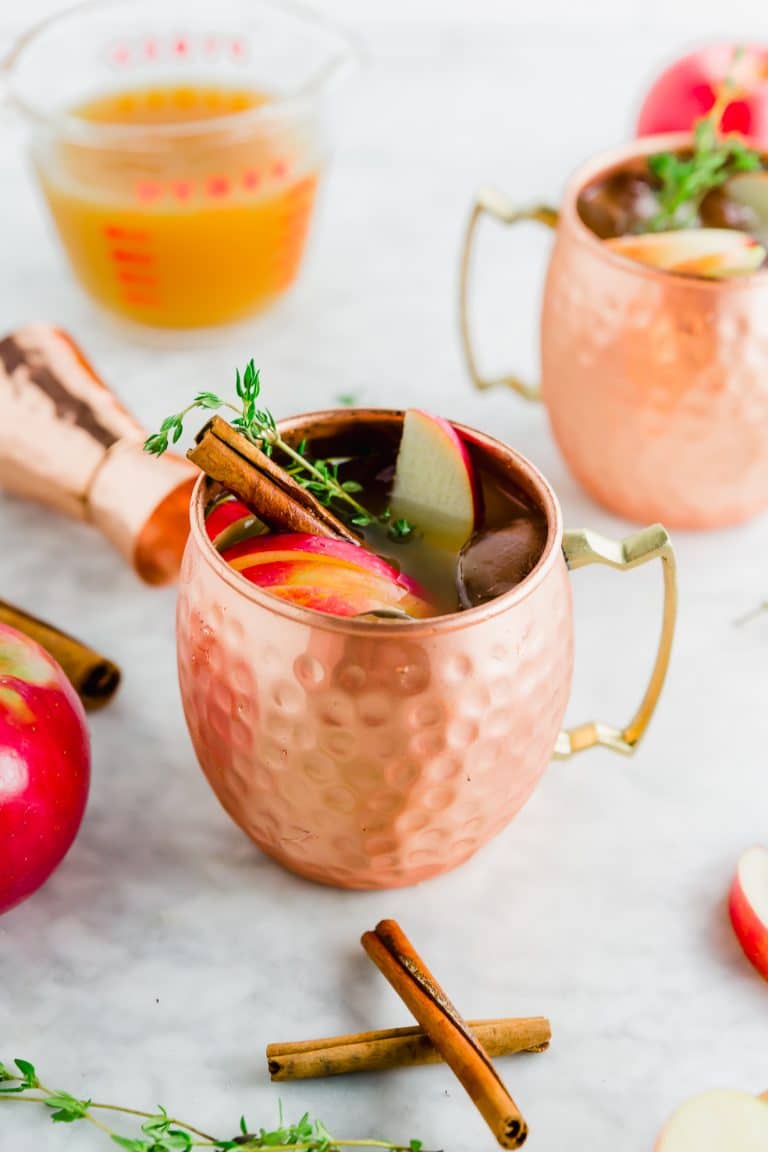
{"x": 377, "y": 754}
{"x": 655, "y": 384}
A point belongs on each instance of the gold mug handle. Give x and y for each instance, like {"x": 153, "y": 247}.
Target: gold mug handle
{"x": 583, "y": 547}
{"x": 495, "y": 204}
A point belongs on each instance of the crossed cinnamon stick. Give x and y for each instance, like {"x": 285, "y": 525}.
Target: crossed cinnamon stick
{"x": 443, "y": 1035}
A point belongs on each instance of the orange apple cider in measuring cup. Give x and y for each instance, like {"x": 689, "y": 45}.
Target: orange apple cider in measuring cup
{"x": 192, "y": 208}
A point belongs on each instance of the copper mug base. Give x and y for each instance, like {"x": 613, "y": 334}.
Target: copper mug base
{"x": 656, "y": 384}
{"x": 376, "y": 755}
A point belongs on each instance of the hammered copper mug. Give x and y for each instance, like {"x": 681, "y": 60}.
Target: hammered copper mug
{"x": 656, "y": 384}
{"x": 377, "y": 754}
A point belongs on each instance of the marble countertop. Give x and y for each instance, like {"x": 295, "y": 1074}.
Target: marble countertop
{"x": 166, "y": 951}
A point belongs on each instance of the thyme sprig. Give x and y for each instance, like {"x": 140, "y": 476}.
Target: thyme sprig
{"x": 163, "y": 1133}
{"x": 320, "y": 477}
{"x": 685, "y": 181}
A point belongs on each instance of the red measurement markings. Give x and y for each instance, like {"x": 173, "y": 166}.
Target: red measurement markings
{"x": 132, "y": 259}
{"x": 218, "y": 186}
{"x": 150, "y": 49}
{"x": 130, "y": 256}
{"x": 128, "y": 276}
{"x": 182, "y": 189}
{"x": 251, "y": 178}
{"x": 120, "y": 232}
{"x": 181, "y": 46}
{"x": 121, "y": 54}
{"x": 149, "y": 190}
{"x": 237, "y": 48}
{"x": 280, "y": 169}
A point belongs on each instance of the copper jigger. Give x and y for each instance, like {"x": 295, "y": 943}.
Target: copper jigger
{"x": 66, "y": 441}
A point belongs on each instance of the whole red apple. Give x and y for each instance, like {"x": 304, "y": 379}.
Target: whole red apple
{"x": 44, "y": 766}
{"x": 685, "y": 91}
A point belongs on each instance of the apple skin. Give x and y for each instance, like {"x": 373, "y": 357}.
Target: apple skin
{"x": 44, "y": 766}
{"x": 750, "y": 930}
{"x": 711, "y": 252}
{"x": 685, "y": 91}
{"x": 331, "y": 576}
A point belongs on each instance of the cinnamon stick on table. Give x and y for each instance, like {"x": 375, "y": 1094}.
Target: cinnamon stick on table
{"x": 397, "y": 1048}
{"x": 394, "y": 955}
{"x": 93, "y": 676}
{"x": 226, "y": 455}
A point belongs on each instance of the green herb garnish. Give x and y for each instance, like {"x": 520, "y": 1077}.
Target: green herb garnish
{"x": 160, "y": 1132}
{"x": 320, "y": 477}
{"x": 685, "y": 181}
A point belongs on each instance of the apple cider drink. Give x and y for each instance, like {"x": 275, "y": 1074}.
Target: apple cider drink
{"x": 701, "y": 210}
{"x": 431, "y": 532}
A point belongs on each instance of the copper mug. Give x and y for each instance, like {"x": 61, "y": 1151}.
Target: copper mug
{"x": 656, "y": 384}
{"x": 375, "y": 755}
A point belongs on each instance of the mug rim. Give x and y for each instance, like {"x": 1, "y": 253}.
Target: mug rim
{"x": 431, "y": 625}
{"x": 582, "y": 234}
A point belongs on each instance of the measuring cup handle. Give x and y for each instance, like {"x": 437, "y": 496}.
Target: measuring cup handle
{"x": 489, "y": 201}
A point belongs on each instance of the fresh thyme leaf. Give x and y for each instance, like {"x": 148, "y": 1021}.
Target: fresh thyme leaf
{"x": 320, "y": 477}
{"x": 685, "y": 181}
{"x": 67, "y": 1108}
{"x": 208, "y": 400}
{"x": 401, "y": 529}
{"x": 29, "y": 1074}
{"x": 162, "y": 1133}
{"x": 348, "y": 399}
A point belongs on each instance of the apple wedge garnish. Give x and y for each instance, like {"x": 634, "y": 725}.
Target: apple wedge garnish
{"x": 710, "y": 252}
{"x": 230, "y": 521}
{"x": 750, "y": 189}
{"x": 328, "y": 575}
{"x": 717, "y": 1121}
{"x": 435, "y": 485}
{"x": 748, "y": 907}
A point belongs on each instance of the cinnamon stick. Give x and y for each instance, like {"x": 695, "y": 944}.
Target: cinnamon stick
{"x": 397, "y": 1048}
{"x": 93, "y": 676}
{"x": 226, "y": 455}
{"x": 394, "y": 955}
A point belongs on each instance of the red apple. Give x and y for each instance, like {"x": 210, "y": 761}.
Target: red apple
{"x": 718, "y": 1121}
{"x": 329, "y": 575}
{"x": 230, "y": 520}
{"x": 686, "y": 91}
{"x": 44, "y": 766}
{"x": 710, "y": 252}
{"x": 435, "y": 485}
{"x": 748, "y": 906}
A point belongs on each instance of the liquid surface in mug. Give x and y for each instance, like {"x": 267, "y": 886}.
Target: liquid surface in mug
{"x": 182, "y": 229}
{"x": 504, "y": 543}
{"x": 717, "y": 233}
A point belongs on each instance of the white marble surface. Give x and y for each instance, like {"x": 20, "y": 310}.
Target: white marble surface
{"x": 166, "y": 951}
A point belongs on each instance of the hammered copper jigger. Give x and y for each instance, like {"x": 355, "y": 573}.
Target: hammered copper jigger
{"x": 374, "y": 754}
{"x": 656, "y": 384}
{"x": 66, "y": 441}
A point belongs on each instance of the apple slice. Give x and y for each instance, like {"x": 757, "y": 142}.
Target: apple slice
{"x": 730, "y": 262}
{"x": 435, "y": 485}
{"x": 750, "y": 189}
{"x": 328, "y": 575}
{"x": 748, "y": 906}
{"x": 709, "y": 252}
{"x": 718, "y": 1121}
{"x": 230, "y": 521}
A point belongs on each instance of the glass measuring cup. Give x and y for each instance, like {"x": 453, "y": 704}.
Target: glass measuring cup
{"x": 179, "y": 149}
